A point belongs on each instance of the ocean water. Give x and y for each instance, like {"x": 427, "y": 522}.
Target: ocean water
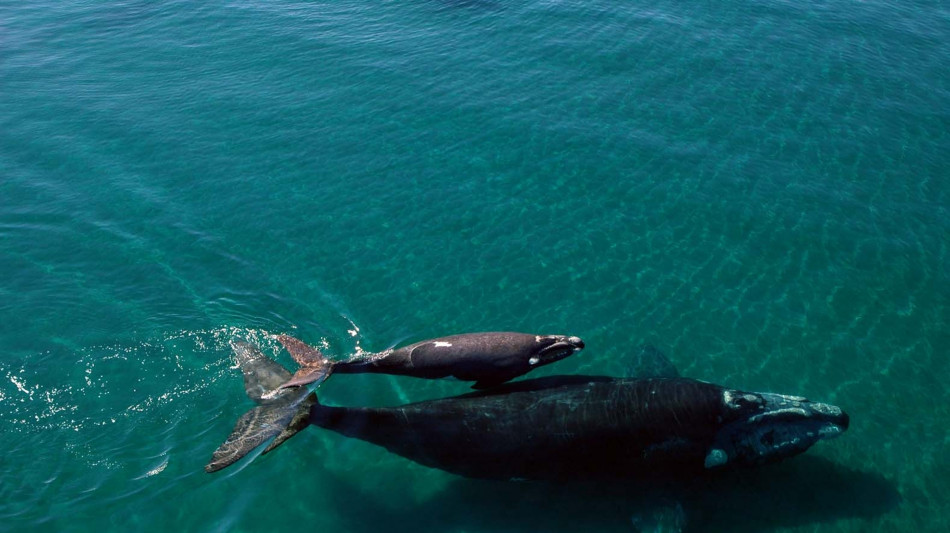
{"x": 759, "y": 189}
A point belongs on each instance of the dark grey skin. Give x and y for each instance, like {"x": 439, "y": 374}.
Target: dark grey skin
{"x": 488, "y": 359}
{"x": 562, "y": 427}
{"x": 592, "y": 427}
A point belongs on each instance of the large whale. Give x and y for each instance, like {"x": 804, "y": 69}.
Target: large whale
{"x": 555, "y": 428}
{"x": 488, "y": 358}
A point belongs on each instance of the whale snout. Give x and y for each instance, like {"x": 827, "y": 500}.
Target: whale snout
{"x": 831, "y": 414}
{"x": 767, "y": 427}
{"x": 556, "y": 347}
{"x": 844, "y": 421}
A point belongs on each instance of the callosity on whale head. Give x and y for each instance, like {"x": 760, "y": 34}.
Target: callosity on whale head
{"x": 761, "y": 427}
{"x": 554, "y": 348}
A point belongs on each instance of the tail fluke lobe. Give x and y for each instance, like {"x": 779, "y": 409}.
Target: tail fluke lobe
{"x": 254, "y": 428}
{"x": 306, "y": 376}
{"x": 262, "y": 375}
{"x": 303, "y": 353}
{"x": 300, "y": 420}
{"x": 314, "y": 367}
{"x": 279, "y": 415}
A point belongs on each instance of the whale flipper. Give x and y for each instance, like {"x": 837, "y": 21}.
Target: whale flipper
{"x": 279, "y": 415}
{"x": 647, "y": 361}
{"x": 314, "y": 367}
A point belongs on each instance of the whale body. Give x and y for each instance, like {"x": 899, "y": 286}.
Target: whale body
{"x": 488, "y": 358}
{"x": 556, "y": 428}
{"x": 590, "y": 427}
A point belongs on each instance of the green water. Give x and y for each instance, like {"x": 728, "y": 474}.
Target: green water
{"x": 759, "y": 189}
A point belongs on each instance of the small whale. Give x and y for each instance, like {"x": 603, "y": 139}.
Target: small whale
{"x": 488, "y": 359}
{"x": 556, "y": 428}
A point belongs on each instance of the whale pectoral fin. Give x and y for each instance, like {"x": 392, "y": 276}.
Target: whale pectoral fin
{"x": 304, "y": 354}
{"x": 648, "y": 362}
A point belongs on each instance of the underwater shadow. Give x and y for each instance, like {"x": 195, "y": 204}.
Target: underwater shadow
{"x": 794, "y": 493}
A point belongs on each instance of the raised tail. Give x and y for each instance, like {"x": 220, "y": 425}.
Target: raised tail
{"x": 314, "y": 367}
{"x": 280, "y": 414}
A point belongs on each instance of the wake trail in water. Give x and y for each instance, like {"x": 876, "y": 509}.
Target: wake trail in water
{"x": 114, "y": 417}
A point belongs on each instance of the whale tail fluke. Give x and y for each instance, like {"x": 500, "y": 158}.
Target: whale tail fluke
{"x": 314, "y": 367}
{"x": 279, "y": 415}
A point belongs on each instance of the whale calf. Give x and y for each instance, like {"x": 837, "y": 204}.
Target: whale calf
{"x": 557, "y": 428}
{"x": 488, "y": 359}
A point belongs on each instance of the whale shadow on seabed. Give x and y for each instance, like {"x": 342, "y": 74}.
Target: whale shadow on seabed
{"x": 805, "y": 491}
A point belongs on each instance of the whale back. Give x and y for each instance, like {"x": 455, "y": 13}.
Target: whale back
{"x": 549, "y": 428}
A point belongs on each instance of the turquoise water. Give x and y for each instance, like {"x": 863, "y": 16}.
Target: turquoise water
{"x": 760, "y": 189}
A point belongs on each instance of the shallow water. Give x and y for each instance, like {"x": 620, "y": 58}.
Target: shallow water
{"x": 759, "y": 189}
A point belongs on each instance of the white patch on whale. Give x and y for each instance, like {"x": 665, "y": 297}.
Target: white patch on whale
{"x": 716, "y": 457}
{"x": 441, "y": 344}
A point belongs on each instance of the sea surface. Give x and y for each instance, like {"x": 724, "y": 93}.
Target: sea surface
{"x": 759, "y": 189}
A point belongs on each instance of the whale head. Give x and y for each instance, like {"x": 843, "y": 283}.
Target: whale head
{"x": 761, "y": 427}
{"x": 551, "y": 348}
